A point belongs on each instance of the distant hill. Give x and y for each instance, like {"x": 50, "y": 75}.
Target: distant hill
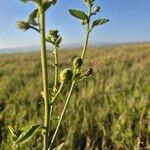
{"x": 18, "y": 49}
{"x": 63, "y": 46}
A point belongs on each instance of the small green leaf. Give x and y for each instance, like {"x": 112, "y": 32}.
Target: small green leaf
{"x": 53, "y": 1}
{"x": 47, "y": 5}
{"x": 99, "y": 22}
{"x": 58, "y": 41}
{"x": 24, "y": 1}
{"x": 78, "y": 14}
{"x": 36, "y": 1}
{"x": 32, "y": 16}
{"x": 59, "y": 147}
{"x": 28, "y": 134}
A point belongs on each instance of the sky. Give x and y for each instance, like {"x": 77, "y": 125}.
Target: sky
{"x": 129, "y": 22}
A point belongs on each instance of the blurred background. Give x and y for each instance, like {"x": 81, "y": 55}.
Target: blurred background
{"x": 108, "y": 111}
{"x": 129, "y": 22}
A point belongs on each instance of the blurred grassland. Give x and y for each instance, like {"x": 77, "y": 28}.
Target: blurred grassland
{"x": 109, "y": 111}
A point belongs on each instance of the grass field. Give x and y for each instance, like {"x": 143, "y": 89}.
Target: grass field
{"x": 110, "y": 110}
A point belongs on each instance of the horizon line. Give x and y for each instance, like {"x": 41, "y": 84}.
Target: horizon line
{"x": 76, "y": 45}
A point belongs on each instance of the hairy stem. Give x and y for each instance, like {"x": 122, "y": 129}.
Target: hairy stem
{"x": 53, "y": 101}
{"x": 56, "y": 68}
{"x": 87, "y": 34}
{"x": 60, "y": 88}
{"x": 63, "y": 112}
{"x": 73, "y": 83}
{"x": 45, "y": 76}
{"x": 55, "y": 81}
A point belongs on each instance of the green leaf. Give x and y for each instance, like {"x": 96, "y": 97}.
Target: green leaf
{"x": 78, "y": 14}
{"x": 47, "y": 5}
{"x": 99, "y": 22}
{"x": 28, "y": 134}
{"x": 24, "y": 1}
{"x": 36, "y": 1}
{"x": 58, "y": 41}
{"x": 32, "y": 16}
{"x": 59, "y": 147}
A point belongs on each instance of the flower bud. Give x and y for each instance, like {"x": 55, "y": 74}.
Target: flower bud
{"x": 84, "y": 22}
{"x": 53, "y": 32}
{"x": 89, "y": 72}
{"x": 77, "y": 63}
{"x": 66, "y": 75}
{"x": 54, "y": 37}
{"x": 22, "y": 25}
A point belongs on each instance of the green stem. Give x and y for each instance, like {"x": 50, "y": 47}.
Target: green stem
{"x": 45, "y": 76}
{"x": 34, "y": 28}
{"x": 73, "y": 83}
{"x": 87, "y": 34}
{"x": 53, "y": 100}
{"x": 55, "y": 82}
{"x": 56, "y": 68}
{"x": 62, "y": 114}
{"x": 55, "y": 97}
{"x": 86, "y": 41}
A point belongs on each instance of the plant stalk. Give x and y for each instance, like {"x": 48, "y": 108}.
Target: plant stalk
{"x": 87, "y": 34}
{"x": 55, "y": 82}
{"x": 56, "y": 68}
{"x": 63, "y": 112}
{"x": 45, "y": 76}
{"x": 73, "y": 83}
{"x": 53, "y": 101}
{"x": 34, "y": 28}
{"x": 86, "y": 43}
{"x": 60, "y": 88}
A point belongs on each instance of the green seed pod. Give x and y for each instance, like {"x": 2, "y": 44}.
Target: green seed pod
{"x": 66, "y": 75}
{"x": 77, "y": 63}
{"x": 22, "y": 25}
